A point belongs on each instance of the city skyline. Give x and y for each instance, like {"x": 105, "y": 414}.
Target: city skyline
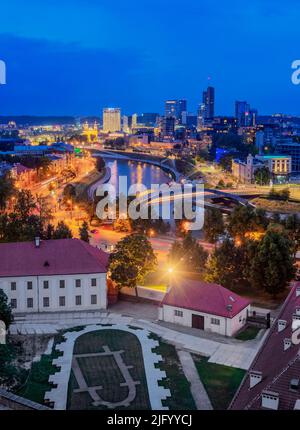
{"x": 127, "y": 58}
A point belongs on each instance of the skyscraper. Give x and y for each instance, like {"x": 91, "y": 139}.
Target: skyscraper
{"x": 245, "y": 115}
{"x": 181, "y": 109}
{"x": 171, "y": 108}
{"x": 209, "y": 103}
{"x": 242, "y": 109}
{"x": 111, "y": 120}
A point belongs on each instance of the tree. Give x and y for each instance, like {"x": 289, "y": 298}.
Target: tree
{"x": 262, "y": 176}
{"x": 5, "y": 310}
{"x": 132, "y": 260}
{"x": 25, "y": 205}
{"x": 272, "y": 265}
{"x": 244, "y": 222}
{"x": 213, "y": 224}
{"x": 292, "y": 225}
{"x": 188, "y": 254}
{"x": 84, "y": 232}
{"x": 62, "y": 231}
{"x": 6, "y": 190}
{"x": 225, "y": 265}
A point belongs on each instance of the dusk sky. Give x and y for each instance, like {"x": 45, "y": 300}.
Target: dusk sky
{"x": 73, "y": 57}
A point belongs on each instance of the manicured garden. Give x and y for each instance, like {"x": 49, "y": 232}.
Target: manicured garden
{"x": 221, "y": 382}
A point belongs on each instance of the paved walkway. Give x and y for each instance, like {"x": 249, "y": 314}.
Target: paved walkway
{"x": 197, "y": 389}
{"x": 235, "y": 353}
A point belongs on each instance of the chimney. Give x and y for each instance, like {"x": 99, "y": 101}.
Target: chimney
{"x": 255, "y": 378}
{"x": 270, "y": 400}
{"x": 297, "y": 291}
{"x": 37, "y": 241}
{"x": 281, "y": 325}
{"x": 286, "y": 344}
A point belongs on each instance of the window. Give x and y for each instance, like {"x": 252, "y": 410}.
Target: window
{"x": 78, "y": 300}
{"x": 13, "y": 303}
{"x": 94, "y": 282}
{"x": 13, "y": 286}
{"x": 93, "y": 299}
{"x": 78, "y": 283}
{"x": 178, "y": 313}
{"x": 46, "y": 302}
{"x": 62, "y": 301}
{"x": 215, "y": 321}
{"x": 62, "y": 283}
{"x": 46, "y": 284}
{"x": 30, "y": 303}
{"x": 29, "y": 285}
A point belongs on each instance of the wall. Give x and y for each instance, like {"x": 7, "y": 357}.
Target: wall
{"x": 227, "y": 326}
{"x": 38, "y": 292}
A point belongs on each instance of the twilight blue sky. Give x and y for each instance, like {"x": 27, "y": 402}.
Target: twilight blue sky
{"x": 76, "y": 56}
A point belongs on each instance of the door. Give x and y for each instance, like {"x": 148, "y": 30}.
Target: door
{"x": 198, "y": 321}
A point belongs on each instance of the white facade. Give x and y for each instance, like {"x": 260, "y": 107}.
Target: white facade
{"x": 55, "y": 293}
{"x": 212, "y": 323}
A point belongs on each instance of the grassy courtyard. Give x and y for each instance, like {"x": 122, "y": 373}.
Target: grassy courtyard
{"x": 220, "y": 382}
{"x": 104, "y": 370}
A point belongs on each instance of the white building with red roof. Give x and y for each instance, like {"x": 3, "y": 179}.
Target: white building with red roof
{"x": 205, "y": 306}
{"x": 53, "y": 275}
{"x": 273, "y": 380}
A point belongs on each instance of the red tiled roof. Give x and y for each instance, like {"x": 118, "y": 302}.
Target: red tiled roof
{"x": 278, "y": 367}
{"x": 52, "y": 257}
{"x": 204, "y": 297}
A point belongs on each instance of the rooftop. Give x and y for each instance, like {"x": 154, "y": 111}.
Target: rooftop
{"x": 278, "y": 360}
{"x": 51, "y": 257}
{"x": 204, "y": 297}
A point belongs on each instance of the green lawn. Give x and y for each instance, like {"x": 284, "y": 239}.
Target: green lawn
{"x": 248, "y": 333}
{"x": 104, "y": 371}
{"x": 37, "y": 382}
{"x": 181, "y": 397}
{"x": 220, "y": 382}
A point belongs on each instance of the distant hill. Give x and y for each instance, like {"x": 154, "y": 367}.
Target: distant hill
{"x": 27, "y": 120}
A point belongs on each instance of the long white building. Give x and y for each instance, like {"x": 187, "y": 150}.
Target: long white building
{"x": 53, "y": 275}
